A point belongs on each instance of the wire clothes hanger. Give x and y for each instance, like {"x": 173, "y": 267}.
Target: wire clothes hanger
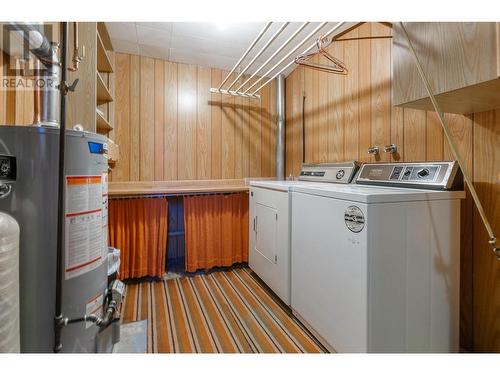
{"x": 337, "y": 67}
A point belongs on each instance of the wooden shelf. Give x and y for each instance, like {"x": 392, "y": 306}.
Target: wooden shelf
{"x": 176, "y": 187}
{"x": 103, "y": 95}
{"x": 103, "y": 63}
{"x": 102, "y": 125}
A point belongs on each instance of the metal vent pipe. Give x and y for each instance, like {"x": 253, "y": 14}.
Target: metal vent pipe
{"x": 280, "y": 127}
{"x": 48, "y": 73}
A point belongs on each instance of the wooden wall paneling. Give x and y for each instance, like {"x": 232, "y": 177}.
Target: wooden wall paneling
{"x": 3, "y": 92}
{"x": 265, "y": 100}
{"x": 10, "y": 104}
{"x": 272, "y": 128}
{"x": 315, "y": 112}
{"x": 121, "y": 172}
{"x": 414, "y": 134}
{"x": 147, "y": 119}
{"x": 17, "y": 104}
{"x": 204, "y": 125}
{"x": 135, "y": 150}
{"x": 381, "y": 88}
{"x": 81, "y": 103}
{"x": 326, "y": 108}
{"x": 20, "y": 103}
{"x": 486, "y": 269}
{"x": 364, "y": 64}
{"x": 308, "y": 120}
{"x": 159, "y": 119}
{"x": 461, "y": 128}
{"x": 246, "y": 134}
{"x": 170, "y": 115}
{"x": 397, "y": 122}
{"x": 255, "y": 138}
{"x": 186, "y": 162}
{"x": 29, "y": 107}
{"x": 298, "y": 91}
{"x": 293, "y": 122}
{"x": 335, "y": 122}
{"x": 25, "y": 104}
{"x": 228, "y": 120}
{"x": 461, "y": 131}
{"x": 112, "y": 91}
{"x": 216, "y": 119}
{"x": 434, "y": 137}
{"x": 290, "y": 121}
{"x": 351, "y": 105}
{"x": 239, "y": 125}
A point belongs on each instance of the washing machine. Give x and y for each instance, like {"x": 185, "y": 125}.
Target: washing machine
{"x": 270, "y": 210}
{"x": 375, "y": 264}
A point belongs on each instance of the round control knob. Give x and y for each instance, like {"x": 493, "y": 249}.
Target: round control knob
{"x": 340, "y": 174}
{"x": 423, "y": 172}
{"x": 4, "y": 168}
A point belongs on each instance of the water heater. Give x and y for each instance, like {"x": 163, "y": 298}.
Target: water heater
{"x": 32, "y": 152}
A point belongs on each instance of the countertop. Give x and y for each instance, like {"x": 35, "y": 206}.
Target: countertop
{"x": 179, "y": 187}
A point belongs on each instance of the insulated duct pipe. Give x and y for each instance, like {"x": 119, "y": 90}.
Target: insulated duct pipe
{"x": 280, "y": 127}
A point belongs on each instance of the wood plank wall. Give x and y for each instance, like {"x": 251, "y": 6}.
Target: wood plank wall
{"x": 344, "y": 115}
{"x": 16, "y": 106}
{"x": 170, "y": 127}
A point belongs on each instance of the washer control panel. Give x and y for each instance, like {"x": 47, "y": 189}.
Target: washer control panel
{"x": 434, "y": 175}
{"x": 341, "y": 173}
{"x": 7, "y": 168}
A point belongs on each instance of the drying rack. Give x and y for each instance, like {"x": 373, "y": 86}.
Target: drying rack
{"x": 279, "y": 67}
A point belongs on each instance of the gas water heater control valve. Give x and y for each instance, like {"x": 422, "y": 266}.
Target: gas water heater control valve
{"x": 117, "y": 291}
{"x": 7, "y": 168}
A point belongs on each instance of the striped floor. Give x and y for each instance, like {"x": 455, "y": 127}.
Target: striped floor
{"x": 221, "y": 312}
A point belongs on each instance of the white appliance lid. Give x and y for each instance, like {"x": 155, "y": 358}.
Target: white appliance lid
{"x": 283, "y": 185}
{"x": 375, "y": 194}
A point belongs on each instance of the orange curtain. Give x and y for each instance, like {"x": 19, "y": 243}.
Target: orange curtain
{"x": 138, "y": 227}
{"x": 216, "y": 230}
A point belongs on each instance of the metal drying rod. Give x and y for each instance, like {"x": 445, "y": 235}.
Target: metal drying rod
{"x": 272, "y": 71}
{"x": 493, "y": 240}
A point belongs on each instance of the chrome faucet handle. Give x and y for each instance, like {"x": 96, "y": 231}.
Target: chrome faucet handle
{"x": 373, "y": 150}
{"x": 392, "y": 148}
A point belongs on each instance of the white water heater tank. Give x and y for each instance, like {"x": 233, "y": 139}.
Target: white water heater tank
{"x": 9, "y": 285}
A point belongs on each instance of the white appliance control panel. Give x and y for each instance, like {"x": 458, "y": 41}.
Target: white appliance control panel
{"x": 429, "y": 175}
{"x": 341, "y": 173}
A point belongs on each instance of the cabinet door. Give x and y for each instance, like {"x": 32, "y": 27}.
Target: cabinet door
{"x": 266, "y": 231}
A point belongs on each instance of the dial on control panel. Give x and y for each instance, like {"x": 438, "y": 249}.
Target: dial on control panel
{"x": 423, "y": 172}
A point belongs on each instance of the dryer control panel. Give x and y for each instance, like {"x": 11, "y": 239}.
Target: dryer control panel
{"x": 340, "y": 173}
{"x": 429, "y": 175}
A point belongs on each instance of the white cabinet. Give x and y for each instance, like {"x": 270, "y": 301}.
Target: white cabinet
{"x": 269, "y": 250}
